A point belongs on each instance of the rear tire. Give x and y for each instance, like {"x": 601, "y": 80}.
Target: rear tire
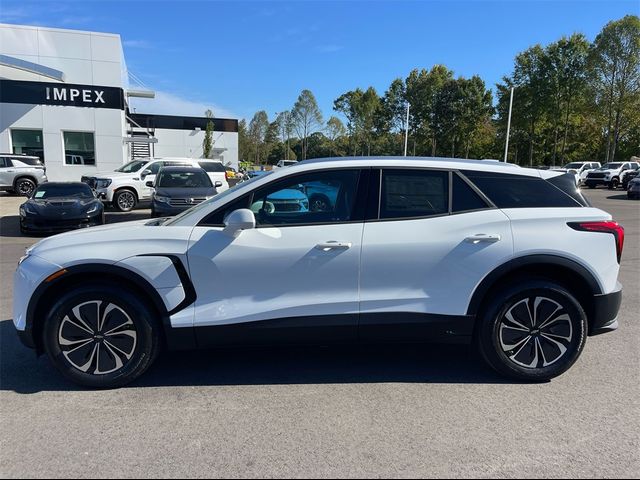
{"x": 534, "y": 331}
{"x": 101, "y": 336}
{"x": 613, "y": 184}
{"x": 24, "y": 186}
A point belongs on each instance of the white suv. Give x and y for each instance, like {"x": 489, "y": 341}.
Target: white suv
{"x": 127, "y": 186}
{"x": 403, "y": 250}
{"x": 610, "y": 174}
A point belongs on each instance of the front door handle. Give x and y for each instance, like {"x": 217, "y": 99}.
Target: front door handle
{"x": 483, "y": 238}
{"x": 332, "y": 245}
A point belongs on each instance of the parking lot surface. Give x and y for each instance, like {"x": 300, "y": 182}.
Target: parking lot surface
{"x": 377, "y": 411}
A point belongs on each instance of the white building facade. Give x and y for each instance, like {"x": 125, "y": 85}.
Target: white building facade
{"x": 64, "y": 97}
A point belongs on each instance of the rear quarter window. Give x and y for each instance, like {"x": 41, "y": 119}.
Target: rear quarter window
{"x": 212, "y": 167}
{"x": 24, "y": 162}
{"x": 520, "y": 191}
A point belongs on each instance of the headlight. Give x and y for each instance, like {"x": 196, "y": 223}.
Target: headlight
{"x": 161, "y": 199}
{"x": 103, "y": 182}
{"x": 26, "y": 210}
{"x": 92, "y": 209}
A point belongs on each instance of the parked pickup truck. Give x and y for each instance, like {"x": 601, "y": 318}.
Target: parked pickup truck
{"x": 610, "y": 174}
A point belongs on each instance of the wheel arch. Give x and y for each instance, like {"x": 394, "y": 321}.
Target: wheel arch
{"x": 28, "y": 176}
{"x": 572, "y": 275}
{"x": 47, "y": 292}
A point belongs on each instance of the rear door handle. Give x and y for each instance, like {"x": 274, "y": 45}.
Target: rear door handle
{"x": 332, "y": 245}
{"x": 483, "y": 238}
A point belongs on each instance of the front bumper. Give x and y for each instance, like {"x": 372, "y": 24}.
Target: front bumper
{"x": 161, "y": 209}
{"x": 605, "y": 312}
{"x": 45, "y": 225}
{"x": 596, "y": 181}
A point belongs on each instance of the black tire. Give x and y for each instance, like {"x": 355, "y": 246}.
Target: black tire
{"x": 613, "y": 184}
{"x": 88, "y": 358}
{"x": 512, "y": 350}
{"x": 24, "y": 186}
{"x": 125, "y": 200}
{"x": 591, "y": 187}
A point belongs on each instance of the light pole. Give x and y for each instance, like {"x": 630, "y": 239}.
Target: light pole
{"x": 406, "y": 131}
{"x": 506, "y": 146}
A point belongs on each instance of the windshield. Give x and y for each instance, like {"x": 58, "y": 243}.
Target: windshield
{"x": 611, "y": 166}
{"x": 132, "y": 166}
{"x": 573, "y": 165}
{"x": 220, "y": 196}
{"x": 52, "y": 190}
{"x": 184, "y": 180}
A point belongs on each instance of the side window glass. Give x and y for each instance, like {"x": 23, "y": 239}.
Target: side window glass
{"x": 314, "y": 198}
{"x": 464, "y": 198}
{"x": 3, "y": 162}
{"x": 154, "y": 167}
{"x": 414, "y": 193}
{"x": 216, "y": 219}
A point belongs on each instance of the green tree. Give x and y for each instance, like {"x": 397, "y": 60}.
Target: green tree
{"x": 257, "y": 134}
{"x": 207, "y": 143}
{"x": 306, "y": 117}
{"x": 615, "y": 78}
{"x": 335, "y": 130}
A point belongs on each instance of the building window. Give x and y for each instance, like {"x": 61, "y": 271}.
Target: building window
{"x": 28, "y": 142}
{"x": 79, "y": 148}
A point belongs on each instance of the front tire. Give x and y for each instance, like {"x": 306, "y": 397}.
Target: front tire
{"x": 101, "y": 336}
{"x": 532, "y": 331}
{"x": 125, "y": 200}
{"x": 24, "y": 186}
{"x": 613, "y": 184}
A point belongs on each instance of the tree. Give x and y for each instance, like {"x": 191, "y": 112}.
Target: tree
{"x": 257, "y": 134}
{"x": 335, "y": 130}
{"x": 284, "y": 121}
{"x": 614, "y": 62}
{"x": 394, "y": 109}
{"x": 207, "y": 143}
{"x": 306, "y": 118}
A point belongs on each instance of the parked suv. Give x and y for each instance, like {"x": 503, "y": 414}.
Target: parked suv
{"x": 21, "y": 174}
{"x": 610, "y": 174}
{"x": 412, "y": 250}
{"x": 177, "y": 189}
{"x": 580, "y": 169}
{"x": 127, "y": 186}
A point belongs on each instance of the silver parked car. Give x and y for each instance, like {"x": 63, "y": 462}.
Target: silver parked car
{"x": 21, "y": 174}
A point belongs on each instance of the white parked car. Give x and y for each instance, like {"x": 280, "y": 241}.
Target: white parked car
{"x": 579, "y": 169}
{"x": 404, "y": 250}
{"x": 285, "y": 163}
{"x": 610, "y": 174}
{"x": 127, "y": 186}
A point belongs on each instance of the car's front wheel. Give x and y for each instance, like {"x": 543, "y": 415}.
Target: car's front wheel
{"x": 125, "y": 200}
{"x": 24, "y": 186}
{"x": 532, "y": 331}
{"x": 101, "y": 336}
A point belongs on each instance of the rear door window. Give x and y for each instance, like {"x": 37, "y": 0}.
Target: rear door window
{"x": 409, "y": 193}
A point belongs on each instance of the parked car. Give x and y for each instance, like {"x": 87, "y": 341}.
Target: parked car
{"x": 285, "y": 163}
{"x": 217, "y": 172}
{"x": 21, "y": 174}
{"x": 629, "y": 175}
{"x": 633, "y": 190}
{"x": 412, "y": 250}
{"x": 610, "y": 174}
{"x": 57, "y": 207}
{"x": 580, "y": 169}
{"x": 177, "y": 189}
{"x": 289, "y": 200}
{"x": 127, "y": 186}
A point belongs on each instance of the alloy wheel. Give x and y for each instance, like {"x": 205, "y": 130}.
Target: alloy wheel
{"x": 536, "y": 332}
{"x": 25, "y": 187}
{"x": 126, "y": 201}
{"x": 97, "y": 337}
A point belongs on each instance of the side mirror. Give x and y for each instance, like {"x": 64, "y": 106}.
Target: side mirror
{"x": 218, "y": 184}
{"x": 145, "y": 173}
{"x": 239, "y": 220}
{"x": 149, "y": 183}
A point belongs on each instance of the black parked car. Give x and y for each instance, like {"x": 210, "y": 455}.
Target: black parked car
{"x": 628, "y": 177}
{"x": 57, "y": 207}
{"x": 180, "y": 188}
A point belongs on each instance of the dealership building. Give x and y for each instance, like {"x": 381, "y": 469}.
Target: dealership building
{"x": 65, "y": 97}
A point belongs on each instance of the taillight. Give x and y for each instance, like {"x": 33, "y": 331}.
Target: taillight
{"x": 605, "y": 227}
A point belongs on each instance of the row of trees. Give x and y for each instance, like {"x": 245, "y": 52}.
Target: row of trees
{"x": 573, "y": 100}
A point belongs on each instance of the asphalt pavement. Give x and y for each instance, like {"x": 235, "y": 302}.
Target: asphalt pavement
{"x": 415, "y": 411}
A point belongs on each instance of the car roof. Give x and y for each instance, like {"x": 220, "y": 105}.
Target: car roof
{"x": 488, "y": 165}
{"x": 181, "y": 168}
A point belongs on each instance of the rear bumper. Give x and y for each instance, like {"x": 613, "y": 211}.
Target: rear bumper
{"x": 605, "y": 312}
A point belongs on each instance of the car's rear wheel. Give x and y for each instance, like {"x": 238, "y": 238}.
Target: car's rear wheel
{"x": 613, "y": 184}
{"x": 24, "y": 186}
{"x": 101, "y": 336}
{"x": 124, "y": 200}
{"x": 532, "y": 331}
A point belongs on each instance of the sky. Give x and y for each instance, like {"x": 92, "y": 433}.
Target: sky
{"x": 239, "y": 57}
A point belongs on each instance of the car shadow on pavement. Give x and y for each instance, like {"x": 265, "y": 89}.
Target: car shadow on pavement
{"x": 117, "y": 217}
{"x": 622, "y": 196}
{"x": 22, "y": 372}
{"x": 10, "y": 226}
